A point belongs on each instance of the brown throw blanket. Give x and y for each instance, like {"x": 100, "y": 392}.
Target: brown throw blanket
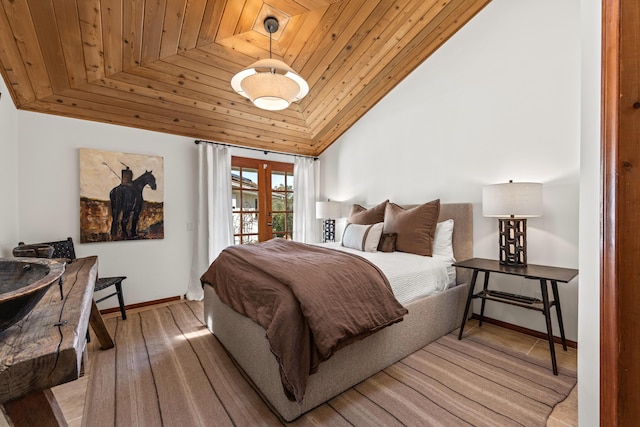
{"x": 311, "y": 301}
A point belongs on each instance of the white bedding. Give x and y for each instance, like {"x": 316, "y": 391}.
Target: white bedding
{"x": 411, "y": 276}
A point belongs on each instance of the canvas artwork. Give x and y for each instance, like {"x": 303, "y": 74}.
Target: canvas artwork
{"x": 121, "y": 196}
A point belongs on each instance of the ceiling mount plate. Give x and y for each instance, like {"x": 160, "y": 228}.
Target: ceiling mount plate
{"x": 271, "y": 24}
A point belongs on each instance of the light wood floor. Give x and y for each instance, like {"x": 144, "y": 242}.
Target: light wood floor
{"x": 71, "y": 396}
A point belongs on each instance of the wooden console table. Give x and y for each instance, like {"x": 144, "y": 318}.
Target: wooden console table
{"x": 47, "y": 347}
{"x": 542, "y": 273}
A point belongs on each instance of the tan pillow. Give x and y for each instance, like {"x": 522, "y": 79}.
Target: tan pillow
{"x": 416, "y": 227}
{"x": 361, "y": 215}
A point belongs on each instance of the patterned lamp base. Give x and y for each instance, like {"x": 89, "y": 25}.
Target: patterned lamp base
{"x": 329, "y": 230}
{"x": 513, "y": 241}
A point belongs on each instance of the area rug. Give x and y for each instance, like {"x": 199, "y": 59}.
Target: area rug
{"x": 168, "y": 369}
{"x": 469, "y": 382}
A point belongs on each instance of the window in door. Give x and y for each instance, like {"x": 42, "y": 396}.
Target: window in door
{"x": 262, "y": 193}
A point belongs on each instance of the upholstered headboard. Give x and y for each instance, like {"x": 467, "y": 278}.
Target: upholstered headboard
{"x": 462, "y": 215}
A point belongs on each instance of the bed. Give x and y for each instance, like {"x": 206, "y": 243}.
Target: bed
{"x": 428, "y": 319}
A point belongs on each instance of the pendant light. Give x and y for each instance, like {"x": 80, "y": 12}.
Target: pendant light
{"x": 270, "y": 83}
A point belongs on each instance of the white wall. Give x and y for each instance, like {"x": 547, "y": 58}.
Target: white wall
{"x": 48, "y": 165}
{"x": 498, "y": 101}
{"x": 589, "y": 301}
{"x": 8, "y": 173}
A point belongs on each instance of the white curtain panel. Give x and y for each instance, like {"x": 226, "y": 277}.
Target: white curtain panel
{"x": 214, "y": 225}
{"x": 304, "y": 200}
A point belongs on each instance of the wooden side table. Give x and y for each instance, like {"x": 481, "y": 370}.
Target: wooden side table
{"x": 47, "y": 347}
{"x": 542, "y": 273}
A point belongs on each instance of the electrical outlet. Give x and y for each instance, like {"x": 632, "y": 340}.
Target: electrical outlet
{"x": 189, "y": 226}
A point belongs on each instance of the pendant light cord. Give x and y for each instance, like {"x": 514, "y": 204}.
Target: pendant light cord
{"x": 271, "y": 25}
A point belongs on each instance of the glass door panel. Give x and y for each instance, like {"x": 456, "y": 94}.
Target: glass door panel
{"x": 282, "y": 203}
{"x": 245, "y": 196}
{"x": 262, "y": 194}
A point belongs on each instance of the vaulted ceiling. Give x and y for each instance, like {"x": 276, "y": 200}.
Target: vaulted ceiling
{"x": 165, "y": 65}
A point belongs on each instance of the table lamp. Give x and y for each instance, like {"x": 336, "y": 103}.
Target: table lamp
{"x": 512, "y": 203}
{"x": 328, "y": 211}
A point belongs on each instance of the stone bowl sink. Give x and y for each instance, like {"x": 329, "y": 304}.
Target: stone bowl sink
{"x": 23, "y": 282}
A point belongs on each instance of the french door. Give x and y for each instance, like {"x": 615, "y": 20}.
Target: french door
{"x": 262, "y": 193}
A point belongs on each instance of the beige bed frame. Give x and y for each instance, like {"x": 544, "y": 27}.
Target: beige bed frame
{"x": 428, "y": 319}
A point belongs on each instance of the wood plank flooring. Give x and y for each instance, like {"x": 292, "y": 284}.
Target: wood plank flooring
{"x": 181, "y": 381}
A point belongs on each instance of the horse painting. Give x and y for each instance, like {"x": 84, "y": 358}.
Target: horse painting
{"x": 126, "y": 204}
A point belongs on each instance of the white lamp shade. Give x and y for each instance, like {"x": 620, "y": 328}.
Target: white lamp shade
{"x": 270, "y": 84}
{"x": 512, "y": 199}
{"x": 328, "y": 210}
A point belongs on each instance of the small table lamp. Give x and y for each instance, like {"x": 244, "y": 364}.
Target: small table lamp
{"x": 328, "y": 211}
{"x": 512, "y": 203}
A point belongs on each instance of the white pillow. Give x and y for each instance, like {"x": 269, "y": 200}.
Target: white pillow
{"x": 362, "y": 237}
{"x": 443, "y": 240}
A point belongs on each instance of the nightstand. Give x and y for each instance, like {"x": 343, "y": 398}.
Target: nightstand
{"x": 544, "y": 274}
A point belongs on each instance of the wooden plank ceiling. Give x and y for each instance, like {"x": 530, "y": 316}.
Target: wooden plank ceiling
{"x": 165, "y": 65}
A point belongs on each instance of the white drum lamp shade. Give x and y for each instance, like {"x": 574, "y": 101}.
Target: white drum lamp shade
{"x": 328, "y": 210}
{"x": 512, "y": 199}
